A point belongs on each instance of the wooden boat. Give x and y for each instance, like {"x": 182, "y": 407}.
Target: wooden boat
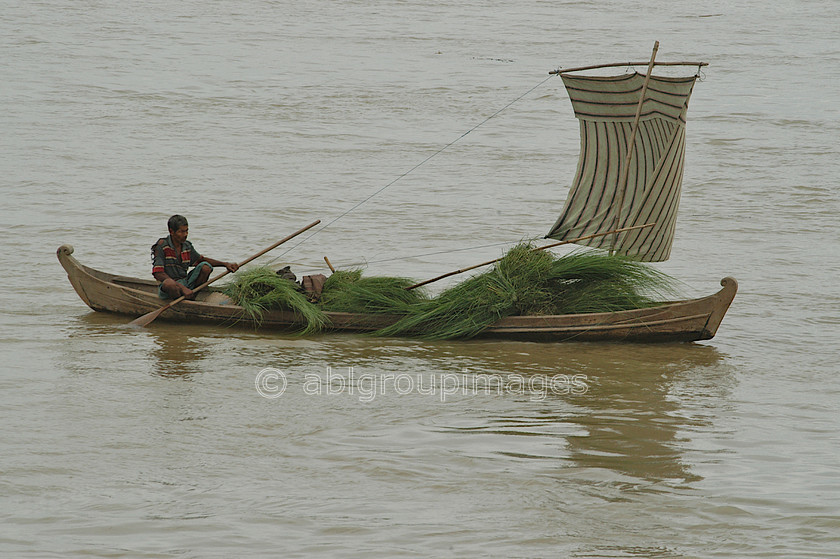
{"x": 684, "y": 321}
{"x": 624, "y": 198}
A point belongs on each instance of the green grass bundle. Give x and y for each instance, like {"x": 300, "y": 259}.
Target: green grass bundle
{"x": 459, "y": 312}
{"x": 348, "y": 291}
{"x": 340, "y": 279}
{"x": 589, "y": 281}
{"x": 260, "y": 289}
{"x": 533, "y": 282}
{"x": 523, "y": 282}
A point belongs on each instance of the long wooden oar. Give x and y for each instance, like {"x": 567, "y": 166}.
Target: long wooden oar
{"x": 149, "y": 317}
{"x": 462, "y": 270}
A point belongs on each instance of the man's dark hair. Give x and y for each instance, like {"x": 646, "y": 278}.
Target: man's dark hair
{"x": 176, "y": 222}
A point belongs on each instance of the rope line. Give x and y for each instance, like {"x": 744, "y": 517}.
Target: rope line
{"x": 397, "y": 258}
{"x": 319, "y": 266}
{"x": 438, "y": 152}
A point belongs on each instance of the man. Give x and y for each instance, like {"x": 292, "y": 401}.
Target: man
{"x": 172, "y": 257}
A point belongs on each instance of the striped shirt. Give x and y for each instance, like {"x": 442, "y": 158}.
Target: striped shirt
{"x": 166, "y": 259}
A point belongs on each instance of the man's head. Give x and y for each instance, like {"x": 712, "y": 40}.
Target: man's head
{"x": 178, "y": 228}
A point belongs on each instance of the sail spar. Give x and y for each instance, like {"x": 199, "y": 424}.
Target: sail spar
{"x": 606, "y": 108}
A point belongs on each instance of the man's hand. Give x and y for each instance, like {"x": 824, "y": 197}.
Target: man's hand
{"x": 231, "y": 266}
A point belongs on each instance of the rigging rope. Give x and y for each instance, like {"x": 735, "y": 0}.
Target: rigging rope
{"x": 398, "y": 258}
{"x": 438, "y": 152}
{"x": 320, "y": 265}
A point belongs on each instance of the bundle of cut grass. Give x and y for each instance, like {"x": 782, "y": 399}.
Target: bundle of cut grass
{"x": 533, "y": 282}
{"x": 340, "y": 279}
{"x": 589, "y": 281}
{"x": 348, "y": 291}
{"x": 260, "y": 289}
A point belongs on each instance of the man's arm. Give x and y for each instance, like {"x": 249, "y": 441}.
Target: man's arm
{"x": 172, "y": 287}
{"x": 196, "y": 258}
{"x": 231, "y": 266}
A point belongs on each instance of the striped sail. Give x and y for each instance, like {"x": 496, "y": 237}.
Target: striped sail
{"x": 606, "y": 108}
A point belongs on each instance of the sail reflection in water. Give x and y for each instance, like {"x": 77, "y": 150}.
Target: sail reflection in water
{"x": 635, "y": 423}
{"x": 631, "y": 420}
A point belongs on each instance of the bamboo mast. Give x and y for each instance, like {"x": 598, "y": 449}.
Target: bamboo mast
{"x": 625, "y": 172}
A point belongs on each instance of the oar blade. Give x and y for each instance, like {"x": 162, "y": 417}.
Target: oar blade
{"x": 147, "y": 318}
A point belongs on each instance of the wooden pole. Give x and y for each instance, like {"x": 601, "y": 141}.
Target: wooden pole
{"x": 462, "y": 270}
{"x": 622, "y": 64}
{"x": 147, "y": 318}
{"x": 625, "y": 171}
{"x": 327, "y": 260}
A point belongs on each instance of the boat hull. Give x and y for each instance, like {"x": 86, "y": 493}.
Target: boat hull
{"x": 683, "y": 321}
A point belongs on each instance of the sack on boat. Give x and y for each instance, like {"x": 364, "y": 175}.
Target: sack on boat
{"x": 286, "y": 273}
{"x": 313, "y": 286}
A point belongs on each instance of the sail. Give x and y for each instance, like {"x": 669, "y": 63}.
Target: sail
{"x": 606, "y": 108}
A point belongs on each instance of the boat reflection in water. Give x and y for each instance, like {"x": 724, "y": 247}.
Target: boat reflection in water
{"x": 635, "y": 418}
{"x": 177, "y": 353}
{"x": 102, "y": 341}
{"x": 630, "y": 408}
